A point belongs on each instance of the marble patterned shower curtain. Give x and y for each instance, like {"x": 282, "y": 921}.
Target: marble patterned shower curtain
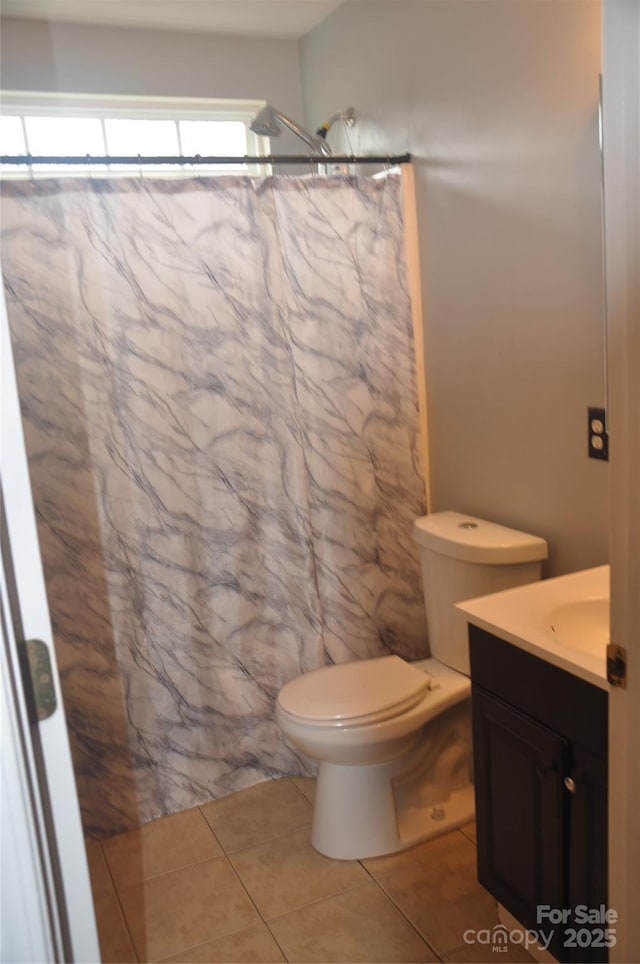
{"x": 218, "y": 391}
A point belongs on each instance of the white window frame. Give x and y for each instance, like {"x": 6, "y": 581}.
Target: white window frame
{"x": 103, "y": 107}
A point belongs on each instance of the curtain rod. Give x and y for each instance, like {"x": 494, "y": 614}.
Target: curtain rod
{"x": 388, "y": 159}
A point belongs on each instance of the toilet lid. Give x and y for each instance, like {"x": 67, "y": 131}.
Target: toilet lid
{"x": 352, "y": 690}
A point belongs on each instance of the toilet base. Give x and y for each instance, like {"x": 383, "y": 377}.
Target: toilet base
{"x": 368, "y": 811}
{"x": 344, "y": 830}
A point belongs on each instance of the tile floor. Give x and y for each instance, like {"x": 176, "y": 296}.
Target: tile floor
{"x": 238, "y": 881}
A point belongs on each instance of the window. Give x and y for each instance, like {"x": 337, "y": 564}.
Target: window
{"x": 64, "y": 126}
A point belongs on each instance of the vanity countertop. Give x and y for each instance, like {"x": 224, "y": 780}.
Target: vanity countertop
{"x": 564, "y": 620}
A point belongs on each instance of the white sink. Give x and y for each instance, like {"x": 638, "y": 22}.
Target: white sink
{"x": 583, "y": 624}
{"x": 563, "y": 620}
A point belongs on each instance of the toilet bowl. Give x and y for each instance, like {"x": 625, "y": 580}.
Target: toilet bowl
{"x": 361, "y": 808}
{"x": 394, "y": 738}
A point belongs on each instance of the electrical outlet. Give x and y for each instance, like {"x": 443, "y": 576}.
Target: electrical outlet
{"x": 598, "y": 435}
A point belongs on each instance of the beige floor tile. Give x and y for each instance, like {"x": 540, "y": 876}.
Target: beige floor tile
{"x": 306, "y": 785}
{"x": 183, "y": 902}
{"x": 257, "y": 814}
{"x": 186, "y": 908}
{"x": 252, "y": 946}
{"x": 101, "y": 882}
{"x": 164, "y": 845}
{"x": 360, "y": 925}
{"x": 486, "y": 954}
{"x": 287, "y": 873}
{"x": 115, "y": 942}
{"x": 435, "y": 885}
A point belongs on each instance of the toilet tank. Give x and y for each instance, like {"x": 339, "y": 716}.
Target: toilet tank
{"x": 462, "y": 557}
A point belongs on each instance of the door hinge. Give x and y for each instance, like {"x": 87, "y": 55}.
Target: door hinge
{"x": 42, "y": 683}
{"x": 617, "y": 665}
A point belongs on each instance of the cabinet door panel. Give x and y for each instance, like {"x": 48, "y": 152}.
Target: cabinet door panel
{"x": 588, "y": 844}
{"x": 519, "y": 768}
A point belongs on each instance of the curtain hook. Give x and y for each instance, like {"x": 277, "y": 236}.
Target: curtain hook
{"x": 140, "y": 167}
{"x": 88, "y": 171}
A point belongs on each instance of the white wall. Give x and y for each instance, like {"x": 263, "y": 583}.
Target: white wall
{"x": 498, "y": 102}
{"x": 68, "y": 58}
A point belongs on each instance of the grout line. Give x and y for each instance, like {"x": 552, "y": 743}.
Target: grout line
{"x": 299, "y": 789}
{"x": 414, "y": 927}
{"x": 211, "y": 830}
{"x": 438, "y": 954}
{"x": 257, "y": 909}
{"x": 165, "y": 873}
{"x": 320, "y": 900}
{"x": 265, "y": 840}
{"x": 242, "y": 884}
{"x": 119, "y": 902}
{"x": 275, "y": 939}
{"x": 221, "y": 937}
{"x": 312, "y": 903}
{"x": 467, "y": 836}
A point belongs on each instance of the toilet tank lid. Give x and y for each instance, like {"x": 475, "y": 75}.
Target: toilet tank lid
{"x": 476, "y": 540}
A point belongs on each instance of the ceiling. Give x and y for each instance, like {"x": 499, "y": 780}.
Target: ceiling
{"x": 250, "y": 18}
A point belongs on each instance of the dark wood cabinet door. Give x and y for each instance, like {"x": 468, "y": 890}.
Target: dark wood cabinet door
{"x": 520, "y": 810}
{"x": 541, "y": 840}
{"x": 588, "y": 848}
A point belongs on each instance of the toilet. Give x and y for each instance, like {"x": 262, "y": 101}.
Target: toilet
{"x": 394, "y": 738}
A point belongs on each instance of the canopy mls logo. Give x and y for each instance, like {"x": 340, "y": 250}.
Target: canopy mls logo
{"x": 499, "y": 937}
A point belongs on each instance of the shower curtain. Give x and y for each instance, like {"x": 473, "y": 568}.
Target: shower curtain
{"x": 218, "y": 389}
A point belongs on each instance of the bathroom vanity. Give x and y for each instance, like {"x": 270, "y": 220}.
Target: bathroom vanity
{"x": 540, "y": 732}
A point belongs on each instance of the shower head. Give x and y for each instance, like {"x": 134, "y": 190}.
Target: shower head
{"x": 269, "y": 123}
{"x": 266, "y": 123}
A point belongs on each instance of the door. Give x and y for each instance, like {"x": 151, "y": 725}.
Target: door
{"x": 621, "y": 140}
{"x": 47, "y": 906}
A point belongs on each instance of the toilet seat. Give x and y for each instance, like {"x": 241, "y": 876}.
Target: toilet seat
{"x": 355, "y": 694}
